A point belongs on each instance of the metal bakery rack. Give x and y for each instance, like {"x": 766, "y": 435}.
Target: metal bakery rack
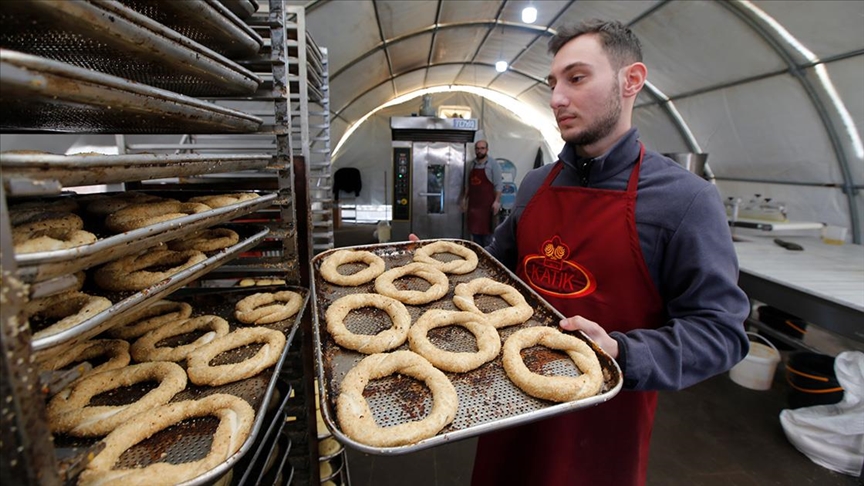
{"x": 200, "y": 97}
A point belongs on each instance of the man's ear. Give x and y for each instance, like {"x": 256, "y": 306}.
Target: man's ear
{"x": 634, "y": 77}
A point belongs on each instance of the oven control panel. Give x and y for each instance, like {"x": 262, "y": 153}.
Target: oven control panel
{"x": 401, "y": 183}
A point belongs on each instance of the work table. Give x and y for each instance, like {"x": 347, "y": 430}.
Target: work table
{"x": 823, "y": 284}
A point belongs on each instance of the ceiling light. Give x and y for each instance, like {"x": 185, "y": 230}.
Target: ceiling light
{"x": 529, "y": 15}
{"x": 501, "y": 66}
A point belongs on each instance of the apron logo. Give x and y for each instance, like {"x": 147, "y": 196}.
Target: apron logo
{"x": 475, "y": 181}
{"x": 553, "y": 274}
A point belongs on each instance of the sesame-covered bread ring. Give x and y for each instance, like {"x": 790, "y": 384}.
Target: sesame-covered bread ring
{"x": 236, "y": 418}
{"x": 53, "y": 241}
{"x": 160, "y": 313}
{"x": 518, "y": 312}
{"x": 115, "y": 350}
{"x": 145, "y": 349}
{"x": 356, "y": 418}
{"x": 488, "y": 340}
{"x": 140, "y": 215}
{"x": 438, "y": 280}
{"x": 260, "y": 308}
{"x": 25, "y": 211}
{"x": 554, "y": 388}
{"x": 49, "y": 231}
{"x": 365, "y": 343}
{"x": 69, "y": 412}
{"x": 67, "y": 308}
{"x": 206, "y": 240}
{"x": 130, "y": 272}
{"x": 105, "y": 204}
{"x": 202, "y": 373}
{"x": 330, "y": 267}
{"x": 458, "y": 267}
{"x": 222, "y": 200}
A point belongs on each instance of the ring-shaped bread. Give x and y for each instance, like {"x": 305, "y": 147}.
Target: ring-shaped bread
{"x": 488, "y": 340}
{"x": 467, "y": 264}
{"x": 356, "y": 418}
{"x": 153, "y": 317}
{"x": 385, "y": 340}
{"x": 115, "y": 350}
{"x": 439, "y": 284}
{"x": 518, "y": 312}
{"x": 137, "y": 216}
{"x": 69, "y": 308}
{"x": 260, "y": 308}
{"x": 202, "y": 373}
{"x": 236, "y": 418}
{"x": 330, "y": 267}
{"x": 105, "y": 204}
{"x": 145, "y": 348}
{"x": 206, "y": 240}
{"x": 54, "y": 242}
{"x": 221, "y": 200}
{"x": 51, "y": 222}
{"x": 130, "y": 272}
{"x": 69, "y": 413}
{"x": 554, "y": 388}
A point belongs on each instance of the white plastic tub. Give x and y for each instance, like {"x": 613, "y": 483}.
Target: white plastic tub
{"x": 756, "y": 370}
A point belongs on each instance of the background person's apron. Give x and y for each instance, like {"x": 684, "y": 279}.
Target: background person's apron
{"x": 481, "y": 195}
{"x": 592, "y": 266}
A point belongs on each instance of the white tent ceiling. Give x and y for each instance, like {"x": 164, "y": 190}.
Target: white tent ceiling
{"x": 772, "y": 90}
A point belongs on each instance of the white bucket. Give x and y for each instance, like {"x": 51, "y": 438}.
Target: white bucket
{"x": 756, "y": 370}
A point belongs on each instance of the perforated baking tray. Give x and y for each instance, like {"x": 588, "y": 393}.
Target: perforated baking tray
{"x": 44, "y": 265}
{"x": 206, "y": 22}
{"x": 114, "y": 39}
{"x": 82, "y": 170}
{"x": 191, "y": 440}
{"x": 126, "y": 303}
{"x": 40, "y": 94}
{"x": 488, "y": 400}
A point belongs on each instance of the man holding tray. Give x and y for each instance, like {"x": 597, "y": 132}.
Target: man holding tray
{"x": 641, "y": 259}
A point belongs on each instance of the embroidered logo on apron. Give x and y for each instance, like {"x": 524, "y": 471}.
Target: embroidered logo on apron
{"x": 551, "y": 273}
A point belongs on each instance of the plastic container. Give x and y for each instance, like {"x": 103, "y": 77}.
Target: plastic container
{"x": 834, "y": 235}
{"x": 756, "y": 370}
{"x": 812, "y": 379}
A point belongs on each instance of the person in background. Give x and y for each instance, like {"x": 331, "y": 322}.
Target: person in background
{"x": 481, "y": 199}
{"x": 630, "y": 245}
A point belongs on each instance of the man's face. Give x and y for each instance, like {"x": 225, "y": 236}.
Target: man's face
{"x": 480, "y": 150}
{"x": 586, "y": 96}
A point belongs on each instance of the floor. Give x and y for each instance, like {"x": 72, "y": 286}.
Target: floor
{"x": 714, "y": 433}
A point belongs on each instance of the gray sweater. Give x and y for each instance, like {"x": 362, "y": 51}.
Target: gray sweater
{"x": 688, "y": 249}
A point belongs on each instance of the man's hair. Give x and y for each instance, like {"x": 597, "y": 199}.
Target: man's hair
{"x": 618, "y": 41}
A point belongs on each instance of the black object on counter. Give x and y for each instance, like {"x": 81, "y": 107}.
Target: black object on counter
{"x": 813, "y": 381}
{"x": 782, "y": 322}
{"x": 788, "y": 244}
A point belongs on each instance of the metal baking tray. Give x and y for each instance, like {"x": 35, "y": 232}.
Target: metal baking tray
{"x": 40, "y": 266}
{"x": 191, "y": 440}
{"x": 488, "y": 400}
{"x": 82, "y": 170}
{"x": 206, "y": 22}
{"x": 126, "y": 303}
{"x": 40, "y": 94}
{"x": 114, "y": 39}
{"x": 241, "y": 8}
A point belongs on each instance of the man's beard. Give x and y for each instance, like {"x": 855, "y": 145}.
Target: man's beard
{"x": 604, "y": 125}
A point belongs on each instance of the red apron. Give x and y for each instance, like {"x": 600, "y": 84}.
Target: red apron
{"x": 481, "y": 195}
{"x": 589, "y": 265}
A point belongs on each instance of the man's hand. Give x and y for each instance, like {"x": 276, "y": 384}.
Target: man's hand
{"x": 593, "y": 331}
{"x": 413, "y": 238}
{"x": 496, "y": 206}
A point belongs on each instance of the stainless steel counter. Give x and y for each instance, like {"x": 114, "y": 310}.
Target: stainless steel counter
{"x": 823, "y": 284}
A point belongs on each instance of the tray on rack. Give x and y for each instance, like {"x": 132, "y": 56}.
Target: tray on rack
{"x": 82, "y": 170}
{"x": 44, "y": 95}
{"x": 41, "y": 266}
{"x": 206, "y": 22}
{"x": 191, "y": 440}
{"x": 240, "y": 8}
{"x": 95, "y": 34}
{"x": 126, "y": 303}
{"x": 488, "y": 400}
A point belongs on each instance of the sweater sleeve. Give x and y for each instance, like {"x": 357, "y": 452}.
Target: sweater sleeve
{"x": 704, "y": 333}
